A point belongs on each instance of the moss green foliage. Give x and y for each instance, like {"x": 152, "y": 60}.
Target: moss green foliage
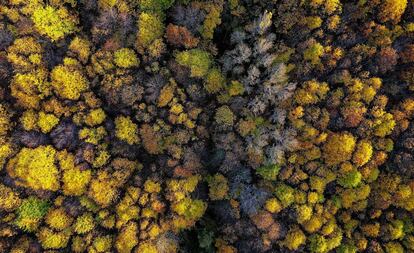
{"x": 350, "y": 179}
{"x": 224, "y": 116}
{"x": 155, "y": 5}
{"x": 30, "y": 213}
{"x": 313, "y": 53}
{"x": 53, "y": 240}
{"x": 285, "y": 194}
{"x": 347, "y": 248}
{"x": 150, "y": 28}
{"x": 212, "y": 20}
{"x": 199, "y": 61}
{"x": 269, "y": 172}
{"x": 218, "y": 187}
{"x": 214, "y": 81}
{"x": 235, "y": 88}
{"x": 317, "y": 243}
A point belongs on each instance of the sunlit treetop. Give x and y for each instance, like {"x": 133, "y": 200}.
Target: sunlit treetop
{"x": 54, "y": 23}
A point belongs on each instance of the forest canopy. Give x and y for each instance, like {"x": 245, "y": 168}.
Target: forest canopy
{"x": 239, "y": 126}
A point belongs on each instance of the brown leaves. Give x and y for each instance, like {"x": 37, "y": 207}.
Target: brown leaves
{"x": 180, "y": 36}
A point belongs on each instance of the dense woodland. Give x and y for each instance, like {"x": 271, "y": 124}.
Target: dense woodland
{"x": 228, "y": 126}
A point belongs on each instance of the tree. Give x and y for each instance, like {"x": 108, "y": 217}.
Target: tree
{"x": 35, "y": 168}
{"x": 392, "y": 10}
{"x": 338, "y": 148}
{"x": 150, "y": 28}
{"x": 54, "y": 23}
{"x": 68, "y": 82}
{"x": 180, "y": 36}
{"x": 199, "y": 61}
